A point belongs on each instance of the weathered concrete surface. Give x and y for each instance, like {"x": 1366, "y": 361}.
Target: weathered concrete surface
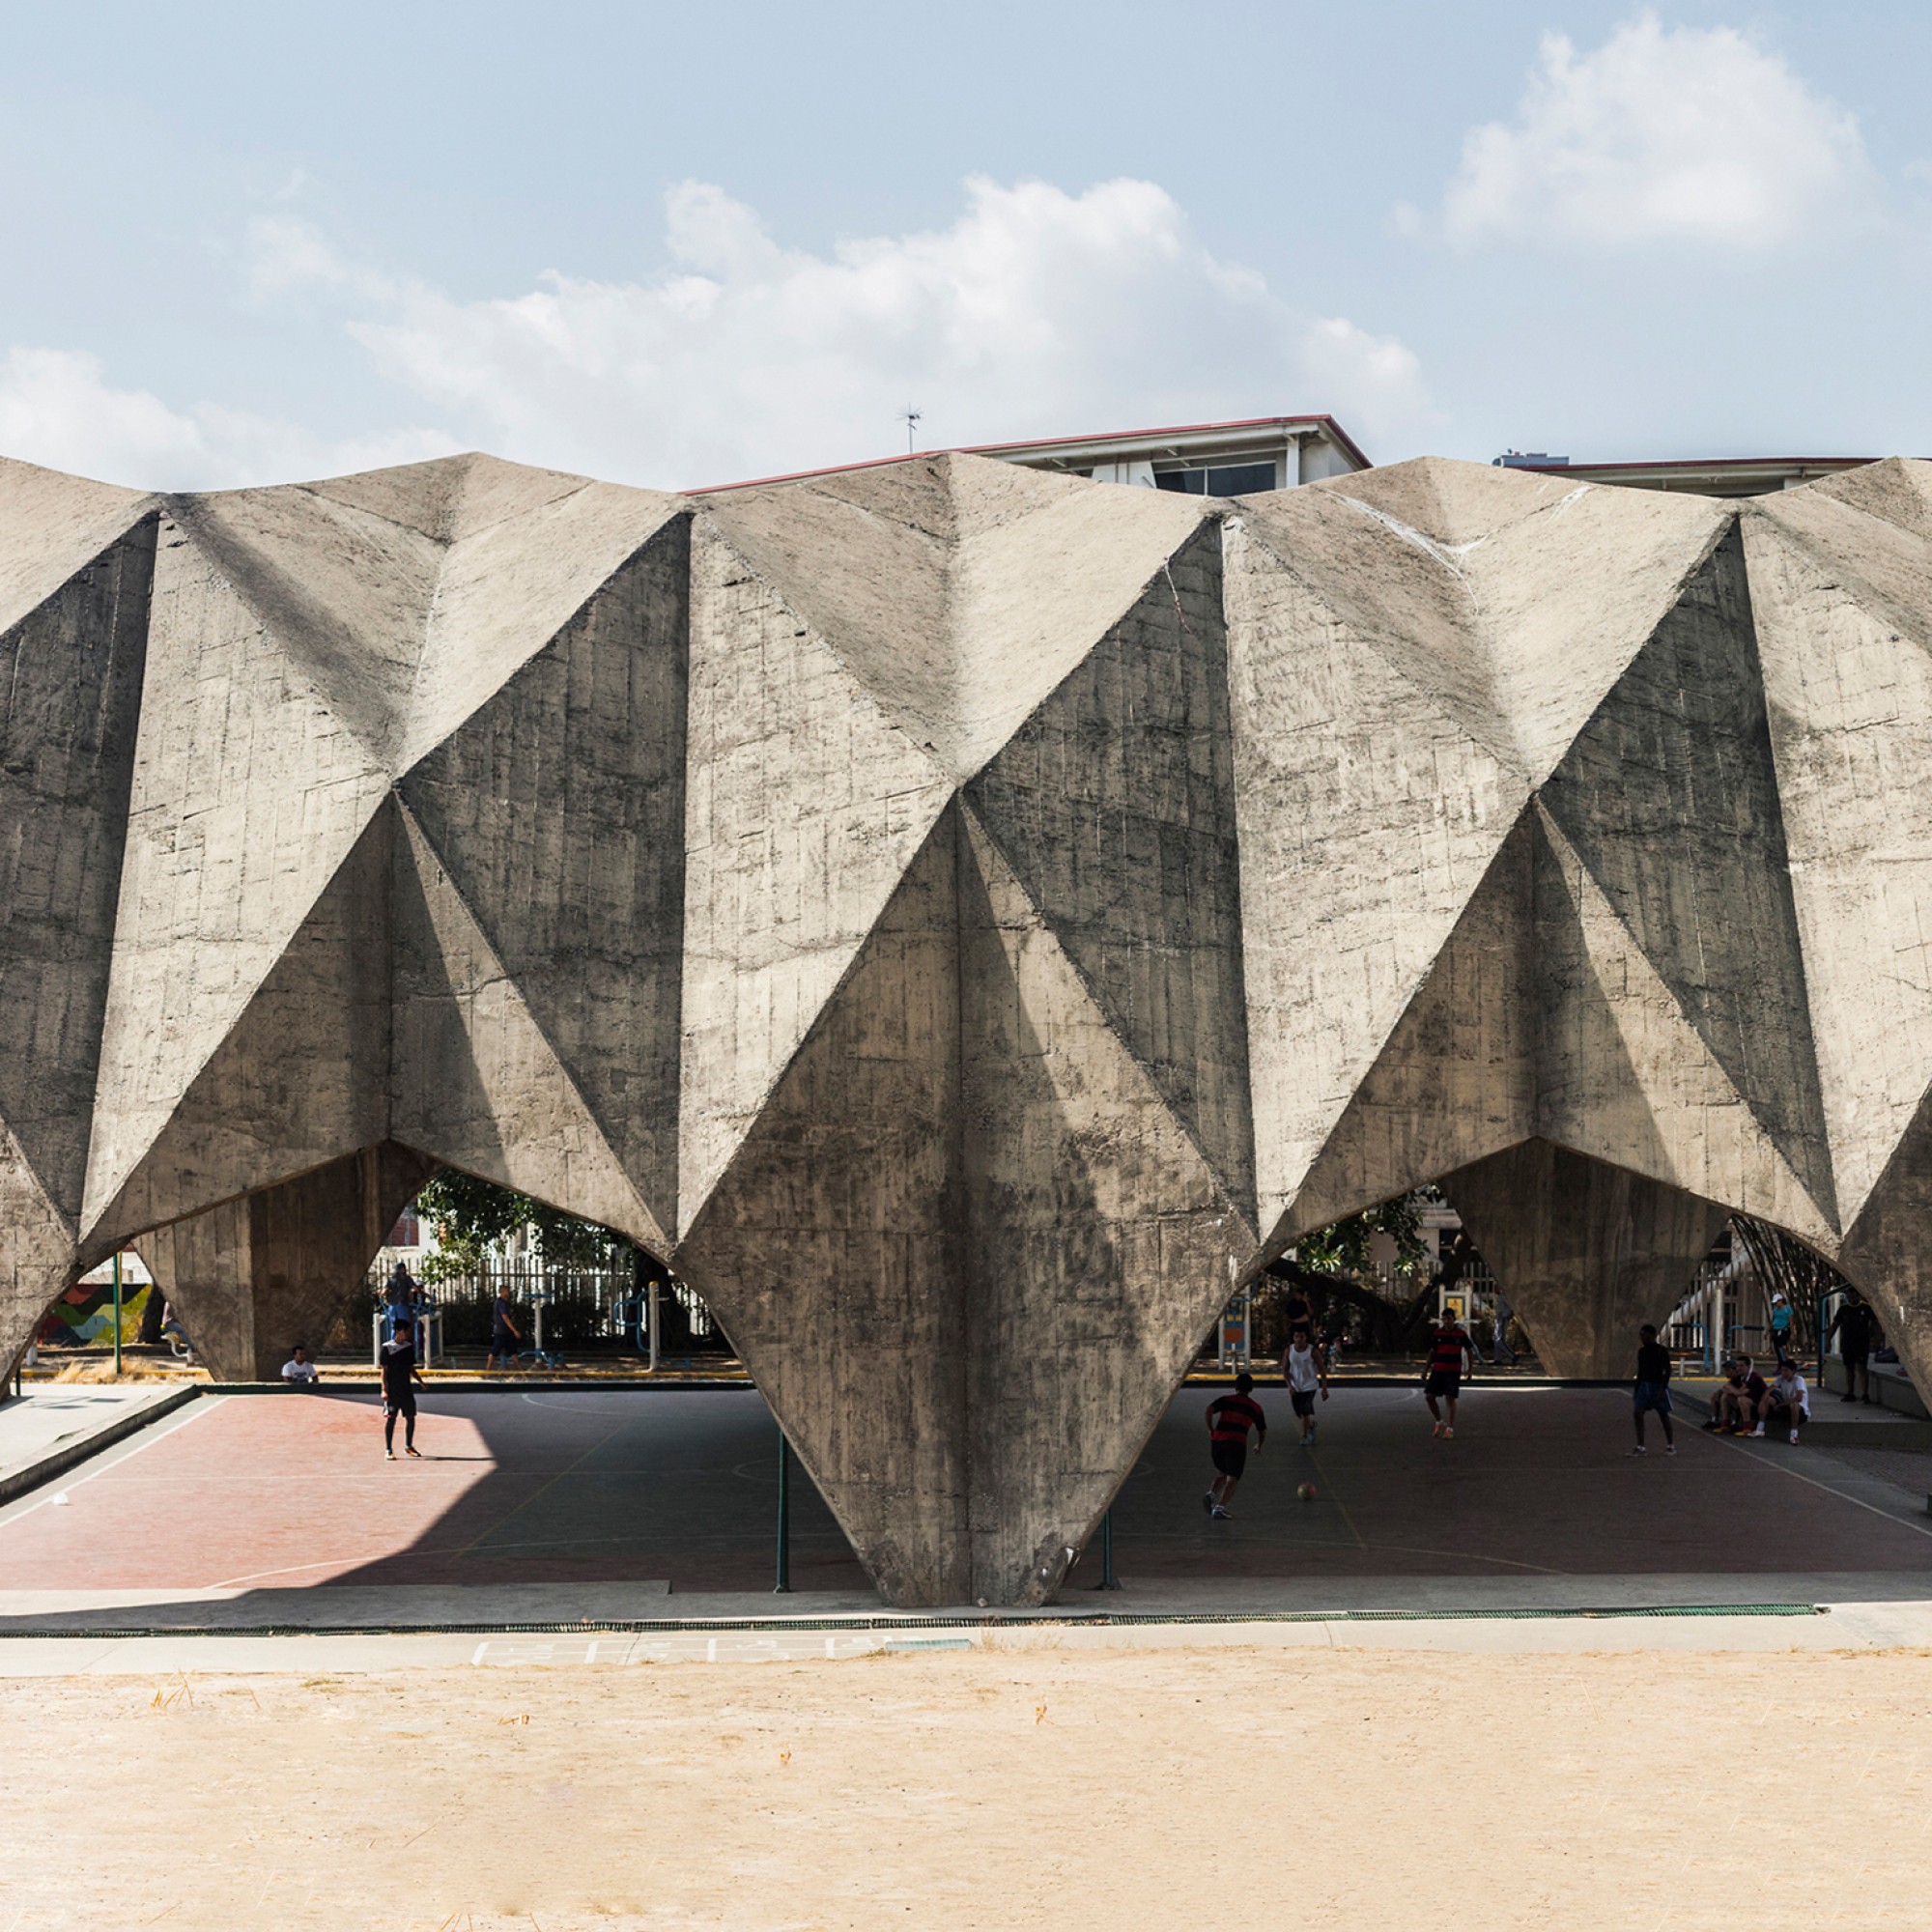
{"x": 257, "y": 1274}
{"x": 964, "y": 917}
{"x": 1587, "y": 1253}
{"x": 75, "y": 564}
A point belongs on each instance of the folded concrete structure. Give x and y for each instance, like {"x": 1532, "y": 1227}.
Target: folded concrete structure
{"x": 965, "y": 919}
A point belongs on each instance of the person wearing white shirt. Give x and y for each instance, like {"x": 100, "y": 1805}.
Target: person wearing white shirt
{"x": 1304, "y": 1368}
{"x": 298, "y": 1371}
{"x": 1786, "y": 1398}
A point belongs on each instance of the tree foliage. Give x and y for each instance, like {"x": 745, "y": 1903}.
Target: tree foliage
{"x": 1345, "y": 1247}
{"x": 470, "y": 1216}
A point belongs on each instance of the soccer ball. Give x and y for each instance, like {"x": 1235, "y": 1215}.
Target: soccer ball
{"x": 1306, "y": 1492}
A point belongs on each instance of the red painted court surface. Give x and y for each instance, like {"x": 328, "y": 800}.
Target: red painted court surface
{"x": 281, "y": 1492}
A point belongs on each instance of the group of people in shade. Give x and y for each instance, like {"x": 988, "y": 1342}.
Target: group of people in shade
{"x": 1746, "y": 1403}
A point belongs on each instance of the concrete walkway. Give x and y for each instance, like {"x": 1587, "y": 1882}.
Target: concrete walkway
{"x": 1834, "y": 1627}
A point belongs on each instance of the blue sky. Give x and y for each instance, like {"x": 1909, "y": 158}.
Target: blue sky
{"x": 678, "y": 245}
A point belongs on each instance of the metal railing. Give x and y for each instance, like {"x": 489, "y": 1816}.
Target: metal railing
{"x": 576, "y": 1306}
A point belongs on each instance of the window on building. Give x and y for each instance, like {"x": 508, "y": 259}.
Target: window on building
{"x": 1218, "y": 479}
{"x": 408, "y": 1230}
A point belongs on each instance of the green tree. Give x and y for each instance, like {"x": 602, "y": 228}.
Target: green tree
{"x": 470, "y": 1216}
{"x": 1345, "y": 1247}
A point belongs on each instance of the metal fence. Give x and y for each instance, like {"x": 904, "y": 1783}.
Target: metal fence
{"x": 600, "y": 1310}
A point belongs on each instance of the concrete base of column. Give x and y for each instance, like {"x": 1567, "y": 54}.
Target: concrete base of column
{"x": 259, "y": 1273}
{"x": 1586, "y": 1251}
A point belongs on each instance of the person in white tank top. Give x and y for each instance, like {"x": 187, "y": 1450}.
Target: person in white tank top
{"x": 1304, "y": 1368}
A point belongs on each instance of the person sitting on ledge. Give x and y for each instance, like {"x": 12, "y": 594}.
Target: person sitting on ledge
{"x": 1786, "y": 1398}
{"x": 1730, "y": 1407}
{"x": 1736, "y": 1406}
{"x": 298, "y": 1371}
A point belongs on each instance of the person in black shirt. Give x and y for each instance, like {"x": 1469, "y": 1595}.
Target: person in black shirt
{"x": 1851, "y": 1324}
{"x": 399, "y": 1395}
{"x": 1653, "y": 1387}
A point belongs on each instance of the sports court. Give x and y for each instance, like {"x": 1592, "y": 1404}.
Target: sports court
{"x": 257, "y": 1499}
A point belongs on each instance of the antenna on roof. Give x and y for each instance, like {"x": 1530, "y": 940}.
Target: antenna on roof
{"x": 912, "y": 418}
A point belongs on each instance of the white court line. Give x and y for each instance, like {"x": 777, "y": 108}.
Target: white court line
{"x": 133, "y": 1445}
{"x": 1771, "y": 1461}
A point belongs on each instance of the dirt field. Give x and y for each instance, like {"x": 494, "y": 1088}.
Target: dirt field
{"x": 1347, "y": 1789}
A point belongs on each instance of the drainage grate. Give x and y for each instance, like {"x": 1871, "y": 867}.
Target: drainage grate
{"x": 1076, "y": 1620}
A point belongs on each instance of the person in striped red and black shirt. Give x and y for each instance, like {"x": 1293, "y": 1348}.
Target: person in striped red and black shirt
{"x": 1442, "y": 1379}
{"x": 1230, "y": 1418}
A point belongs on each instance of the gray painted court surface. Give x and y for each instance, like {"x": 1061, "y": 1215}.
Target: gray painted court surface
{"x": 653, "y": 1513}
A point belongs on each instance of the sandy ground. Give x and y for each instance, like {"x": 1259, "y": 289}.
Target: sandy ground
{"x": 1178, "y": 1788}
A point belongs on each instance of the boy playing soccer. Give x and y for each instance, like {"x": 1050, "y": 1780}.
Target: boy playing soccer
{"x": 1229, "y": 1417}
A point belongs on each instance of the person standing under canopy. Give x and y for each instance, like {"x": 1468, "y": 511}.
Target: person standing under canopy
{"x": 401, "y": 1378}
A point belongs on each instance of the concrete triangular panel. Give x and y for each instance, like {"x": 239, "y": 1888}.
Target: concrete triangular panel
{"x": 1114, "y": 805}
{"x": 804, "y": 805}
{"x": 302, "y": 1077}
{"x": 345, "y": 594}
{"x": 69, "y": 710}
{"x": 1886, "y": 1251}
{"x": 1585, "y": 1252}
{"x": 958, "y": 590}
{"x": 453, "y": 497}
{"x": 865, "y": 558}
{"x": 1625, "y": 1078}
{"x": 248, "y": 794}
{"x": 1367, "y": 817}
{"x": 1898, "y": 491}
{"x": 508, "y": 585}
{"x": 1669, "y": 798}
{"x": 1555, "y": 587}
{"x": 1457, "y": 1080}
{"x": 1343, "y": 569}
{"x": 553, "y": 807}
{"x": 1099, "y": 1243}
{"x": 474, "y": 1083}
{"x": 38, "y": 1256}
{"x": 854, "y": 1326}
{"x": 1849, "y": 692}
{"x": 51, "y": 527}
{"x": 1045, "y": 567}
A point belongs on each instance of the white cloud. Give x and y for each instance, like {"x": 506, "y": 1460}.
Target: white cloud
{"x": 57, "y": 407}
{"x": 1372, "y": 379}
{"x": 1035, "y": 312}
{"x": 1662, "y": 134}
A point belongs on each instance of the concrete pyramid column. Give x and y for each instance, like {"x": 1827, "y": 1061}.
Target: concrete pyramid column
{"x": 545, "y": 821}
{"x": 833, "y": 1249}
{"x": 1841, "y": 588}
{"x": 257, "y": 1274}
{"x": 1586, "y": 1252}
{"x": 76, "y": 562}
{"x": 966, "y": 1248}
{"x": 1100, "y": 1239}
{"x": 1413, "y": 652}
